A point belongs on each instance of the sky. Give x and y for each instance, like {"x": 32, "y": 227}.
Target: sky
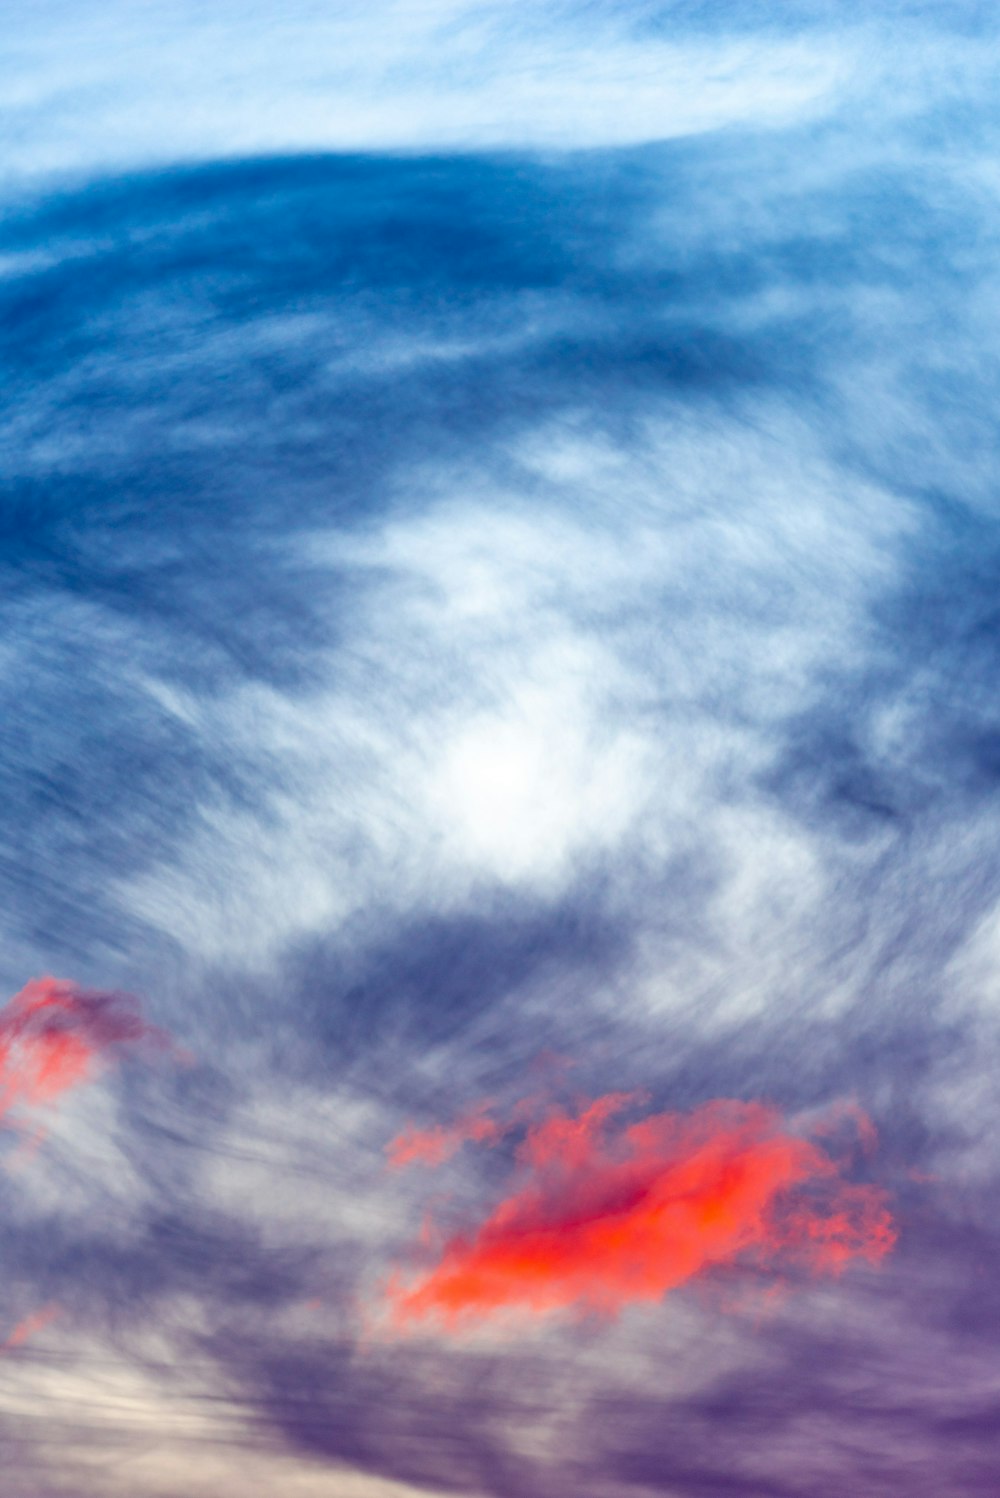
{"x": 500, "y": 757}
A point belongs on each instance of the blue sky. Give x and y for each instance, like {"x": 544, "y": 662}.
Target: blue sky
{"x": 500, "y": 549}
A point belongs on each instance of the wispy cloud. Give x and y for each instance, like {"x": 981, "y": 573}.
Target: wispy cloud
{"x": 603, "y": 1216}
{"x": 457, "y": 74}
{"x": 461, "y": 603}
{"x": 435, "y": 1145}
{"x": 30, "y": 1326}
{"x": 55, "y": 1036}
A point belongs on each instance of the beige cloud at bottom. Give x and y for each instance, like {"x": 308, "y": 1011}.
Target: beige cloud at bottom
{"x": 92, "y": 1422}
{"x": 235, "y": 1473}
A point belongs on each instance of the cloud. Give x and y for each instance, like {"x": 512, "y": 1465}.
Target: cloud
{"x": 436, "y": 1145}
{"x": 55, "y": 1036}
{"x": 30, "y": 1326}
{"x": 111, "y": 1416}
{"x": 608, "y": 1215}
{"x": 245, "y": 80}
{"x": 473, "y": 604}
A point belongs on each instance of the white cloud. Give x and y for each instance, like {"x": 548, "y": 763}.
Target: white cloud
{"x": 524, "y": 789}
{"x": 468, "y": 733}
{"x": 305, "y": 1165}
{"x": 68, "y": 1160}
{"x": 93, "y": 87}
{"x": 532, "y": 679}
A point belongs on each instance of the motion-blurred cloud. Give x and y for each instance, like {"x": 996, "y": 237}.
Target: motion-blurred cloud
{"x": 602, "y": 1217}
{"x": 55, "y": 1036}
{"x": 499, "y": 556}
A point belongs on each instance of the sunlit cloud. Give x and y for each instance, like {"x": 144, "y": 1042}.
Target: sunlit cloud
{"x": 605, "y": 1213}
{"x": 436, "y": 1145}
{"x": 55, "y": 1036}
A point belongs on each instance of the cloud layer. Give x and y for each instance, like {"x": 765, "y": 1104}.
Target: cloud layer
{"x": 464, "y": 607}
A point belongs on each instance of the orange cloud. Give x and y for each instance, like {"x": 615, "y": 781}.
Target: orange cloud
{"x": 605, "y": 1213}
{"x": 55, "y": 1035}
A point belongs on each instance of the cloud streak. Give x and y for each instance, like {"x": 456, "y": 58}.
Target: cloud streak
{"x": 55, "y": 1036}
{"x": 30, "y": 1326}
{"x": 457, "y": 605}
{"x": 605, "y": 1213}
{"x": 441, "y": 74}
{"x": 436, "y": 1145}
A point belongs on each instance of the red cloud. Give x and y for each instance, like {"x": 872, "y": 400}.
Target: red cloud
{"x": 54, "y": 1036}
{"x": 605, "y": 1214}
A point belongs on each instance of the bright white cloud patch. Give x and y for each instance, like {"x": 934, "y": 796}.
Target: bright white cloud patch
{"x": 523, "y": 791}
{"x": 497, "y": 710}
{"x": 119, "y": 84}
